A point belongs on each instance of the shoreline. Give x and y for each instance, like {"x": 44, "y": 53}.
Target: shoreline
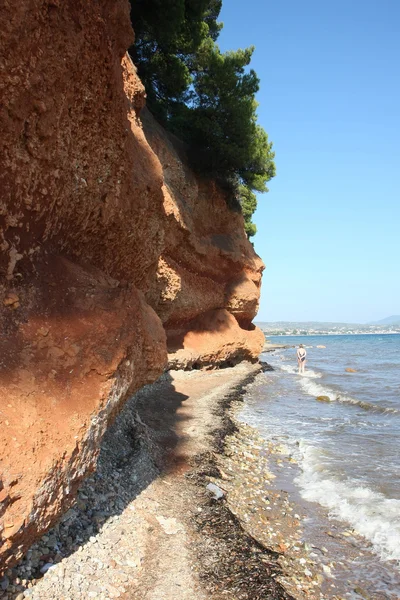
{"x": 138, "y": 529}
{"x": 321, "y": 557}
{"x": 148, "y": 525}
{"x": 264, "y": 512}
{"x": 351, "y": 564}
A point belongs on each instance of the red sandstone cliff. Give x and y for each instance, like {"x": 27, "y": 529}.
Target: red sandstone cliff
{"x": 208, "y": 278}
{"x": 111, "y": 250}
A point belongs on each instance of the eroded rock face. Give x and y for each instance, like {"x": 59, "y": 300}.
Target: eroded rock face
{"x": 213, "y": 338}
{"x": 81, "y": 233}
{"x": 109, "y": 247}
{"x": 208, "y": 278}
{"x": 84, "y": 344}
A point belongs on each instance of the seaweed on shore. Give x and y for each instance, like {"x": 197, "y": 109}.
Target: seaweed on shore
{"x": 233, "y": 564}
{"x": 228, "y": 427}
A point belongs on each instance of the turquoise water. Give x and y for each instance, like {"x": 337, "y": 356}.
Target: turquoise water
{"x": 348, "y": 449}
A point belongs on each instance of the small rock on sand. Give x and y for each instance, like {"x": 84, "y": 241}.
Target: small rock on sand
{"x": 169, "y": 525}
{"x": 215, "y": 490}
{"x": 46, "y": 567}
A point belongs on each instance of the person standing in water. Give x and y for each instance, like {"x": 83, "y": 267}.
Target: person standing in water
{"x": 301, "y": 358}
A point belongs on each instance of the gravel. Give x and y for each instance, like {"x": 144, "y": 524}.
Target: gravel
{"x": 92, "y": 552}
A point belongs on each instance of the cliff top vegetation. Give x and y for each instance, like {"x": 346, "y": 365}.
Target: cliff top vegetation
{"x": 204, "y": 96}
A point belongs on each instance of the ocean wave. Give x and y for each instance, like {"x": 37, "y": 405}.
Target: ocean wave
{"x": 374, "y": 516}
{"x": 309, "y": 374}
{"x": 314, "y": 389}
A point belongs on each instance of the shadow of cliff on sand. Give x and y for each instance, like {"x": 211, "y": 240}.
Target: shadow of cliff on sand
{"x": 135, "y": 450}
{"x": 75, "y": 347}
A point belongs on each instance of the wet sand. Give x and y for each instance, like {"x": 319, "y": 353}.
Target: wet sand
{"x": 321, "y": 557}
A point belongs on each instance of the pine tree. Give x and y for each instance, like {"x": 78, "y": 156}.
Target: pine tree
{"x": 204, "y": 96}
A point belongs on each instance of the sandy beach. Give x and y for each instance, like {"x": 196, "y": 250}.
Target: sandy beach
{"x": 182, "y": 505}
{"x": 145, "y": 524}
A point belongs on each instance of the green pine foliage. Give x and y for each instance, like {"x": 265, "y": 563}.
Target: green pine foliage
{"x": 168, "y": 34}
{"x": 248, "y": 202}
{"x": 204, "y": 96}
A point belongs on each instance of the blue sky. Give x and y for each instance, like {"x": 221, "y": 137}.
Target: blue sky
{"x": 328, "y": 230}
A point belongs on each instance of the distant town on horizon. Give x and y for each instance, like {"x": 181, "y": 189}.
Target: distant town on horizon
{"x": 384, "y": 326}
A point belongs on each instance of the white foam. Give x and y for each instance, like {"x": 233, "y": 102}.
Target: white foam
{"x": 315, "y": 389}
{"x": 374, "y": 516}
{"x": 308, "y": 374}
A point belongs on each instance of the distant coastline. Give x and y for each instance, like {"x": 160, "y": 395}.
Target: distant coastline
{"x": 289, "y": 328}
{"x": 270, "y": 333}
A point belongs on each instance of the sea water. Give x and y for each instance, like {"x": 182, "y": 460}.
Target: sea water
{"x": 348, "y": 446}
